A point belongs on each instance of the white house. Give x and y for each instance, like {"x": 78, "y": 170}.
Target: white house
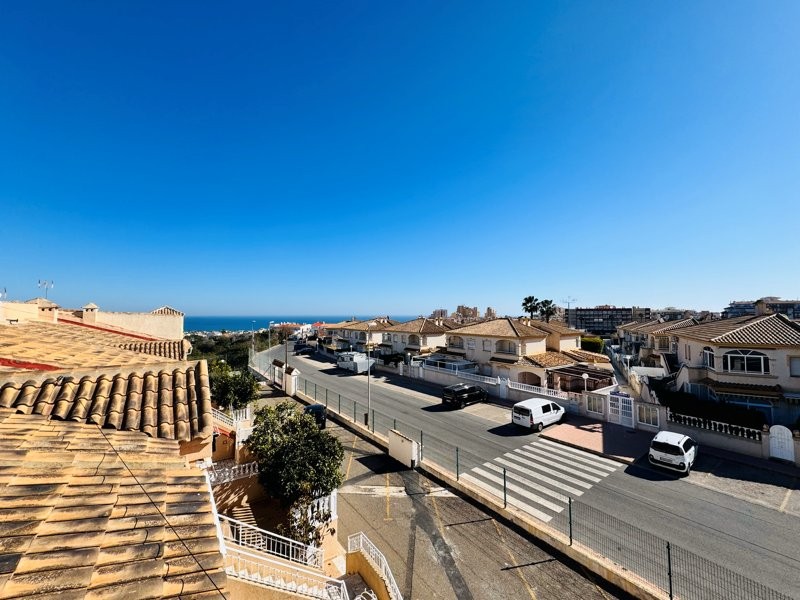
{"x": 419, "y": 336}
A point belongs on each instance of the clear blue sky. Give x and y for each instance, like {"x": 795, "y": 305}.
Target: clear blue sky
{"x": 396, "y": 157}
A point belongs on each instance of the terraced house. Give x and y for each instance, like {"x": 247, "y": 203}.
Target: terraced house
{"x": 530, "y": 352}
{"x": 415, "y": 337}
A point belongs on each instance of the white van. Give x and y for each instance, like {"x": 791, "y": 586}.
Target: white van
{"x": 535, "y": 413}
{"x": 673, "y": 451}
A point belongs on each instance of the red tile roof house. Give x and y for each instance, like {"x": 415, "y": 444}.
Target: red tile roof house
{"x": 102, "y": 494}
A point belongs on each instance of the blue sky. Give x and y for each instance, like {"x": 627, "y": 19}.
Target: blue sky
{"x": 396, "y": 157}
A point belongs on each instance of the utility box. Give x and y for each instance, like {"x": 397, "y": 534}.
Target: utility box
{"x": 403, "y": 449}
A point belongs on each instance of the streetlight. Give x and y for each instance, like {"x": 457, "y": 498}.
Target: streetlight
{"x": 585, "y": 379}
{"x": 269, "y": 334}
{"x": 253, "y": 335}
{"x": 369, "y": 366}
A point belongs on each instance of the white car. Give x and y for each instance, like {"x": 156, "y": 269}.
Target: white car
{"x": 673, "y": 451}
{"x": 535, "y": 413}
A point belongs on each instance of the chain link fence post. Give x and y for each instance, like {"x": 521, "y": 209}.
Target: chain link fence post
{"x": 421, "y": 446}
{"x": 570, "y": 520}
{"x": 456, "y": 463}
{"x": 505, "y": 491}
{"x": 669, "y": 569}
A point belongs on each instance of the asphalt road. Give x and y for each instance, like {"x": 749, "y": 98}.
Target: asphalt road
{"x": 733, "y": 517}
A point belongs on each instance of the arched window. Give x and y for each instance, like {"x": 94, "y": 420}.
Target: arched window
{"x": 362, "y": 336}
{"x": 745, "y": 361}
{"x": 708, "y": 357}
{"x": 505, "y": 347}
{"x": 455, "y": 341}
{"x": 403, "y": 338}
{"x": 413, "y": 340}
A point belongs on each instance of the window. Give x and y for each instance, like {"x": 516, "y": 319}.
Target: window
{"x": 395, "y": 337}
{"x": 487, "y": 345}
{"x": 687, "y": 351}
{"x": 708, "y": 357}
{"x": 794, "y": 366}
{"x": 745, "y": 361}
{"x": 647, "y": 415}
{"x": 555, "y": 407}
{"x": 456, "y": 341}
{"x": 403, "y": 339}
{"x": 506, "y": 347}
{"x": 546, "y": 408}
{"x": 471, "y": 344}
{"x": 688, "y": 445}
{"x": 594, "y": 404}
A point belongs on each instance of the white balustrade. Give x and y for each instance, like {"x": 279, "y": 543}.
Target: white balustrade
{"x": 250, "y": 536}
{"x": 225, "y": 472}
{"x": 358, "y": 542}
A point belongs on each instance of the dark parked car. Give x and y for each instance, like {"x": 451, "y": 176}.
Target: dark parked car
{"x": 462, "y": 394}
{"x": 307, "y": 350}
{"x": 318, "y": 412}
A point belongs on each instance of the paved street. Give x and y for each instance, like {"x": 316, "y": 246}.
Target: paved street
{"x": 440, "y": 546}
{"x": 743, "y": 519}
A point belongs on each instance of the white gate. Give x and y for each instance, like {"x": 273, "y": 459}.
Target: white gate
{"x": 626, "y": 412}
{"x": 613, "y": 408}
{"x": 781, "y": 445}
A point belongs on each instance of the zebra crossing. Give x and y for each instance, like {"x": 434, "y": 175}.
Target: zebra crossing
{"x": 540, "y": 477}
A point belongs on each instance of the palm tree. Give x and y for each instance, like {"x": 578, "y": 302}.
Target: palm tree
{"x": 547, "y": 310}
{"x": 530, "y": 305}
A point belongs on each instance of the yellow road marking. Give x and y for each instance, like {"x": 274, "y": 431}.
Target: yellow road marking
{"x": 350, "y": 462}
{"x": 438, "y": 516}
{"x": 387, "y": 517}
{"x": 514, "y": 562}
{"x": 785, "y": 500}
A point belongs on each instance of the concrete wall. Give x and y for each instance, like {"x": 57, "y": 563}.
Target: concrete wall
{"x": 196, "y": 449}
{"x": 19, "y": 311}
{"x": 713, "y": 439}
{"x": 168, "y": 327}
{"x": 357, "y": 562}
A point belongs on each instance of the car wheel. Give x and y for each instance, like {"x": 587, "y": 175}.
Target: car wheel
{"x": 539, "y": 426}
{"x": 461, "y": 404}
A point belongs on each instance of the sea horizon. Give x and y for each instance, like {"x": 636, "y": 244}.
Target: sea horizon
{"x": 246, "y": 323}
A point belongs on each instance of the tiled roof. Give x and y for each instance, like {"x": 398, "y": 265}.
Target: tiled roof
{"x": 421, "y": 326}
{"x": 548, "y": 359}
{"x": 67, "y": 345}
{"x": 749, "y": 330}
{"x": 554, "y": 327}
{"x": 173, "y": 402}
{"x": 364, "y": 325}
{"x": 167, "y": 310}
{"x": 638, "y": 325}
{"x": 504, "y": 327}
{"x": 98, "y": 514}
{"x": 586, "y": 356}
{"x": 657, "y": 327}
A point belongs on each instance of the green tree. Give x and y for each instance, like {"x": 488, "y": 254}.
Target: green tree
{"x": 530, "y": 305}
{"x": 592, "y": 344}
{"x": 295, "y": 458}
{"x": 547, "y": 310}
{"x": 309, "y": 524}
{"x": 229, "y": 388}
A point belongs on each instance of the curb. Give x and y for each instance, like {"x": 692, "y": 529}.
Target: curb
{"x": 621, "y": 459}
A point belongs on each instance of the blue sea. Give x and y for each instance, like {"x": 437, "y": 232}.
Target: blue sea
{"x": 209, "y": 323}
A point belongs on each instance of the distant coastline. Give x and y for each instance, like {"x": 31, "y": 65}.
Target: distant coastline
{"x": 228, "y": 323}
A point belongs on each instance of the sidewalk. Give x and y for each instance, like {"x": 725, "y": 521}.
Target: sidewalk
{"x": 599, "y": 437}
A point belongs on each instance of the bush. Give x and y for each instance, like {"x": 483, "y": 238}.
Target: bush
{"x": 592, "y": 344}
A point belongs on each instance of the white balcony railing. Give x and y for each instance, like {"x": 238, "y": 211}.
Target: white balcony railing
{"x": 223, "y": 418}
{"x": 271, "y": 573}
{"x": 225, "y": 472}
{"x": 250, "y": 536}
{"x": 360, "y": 542}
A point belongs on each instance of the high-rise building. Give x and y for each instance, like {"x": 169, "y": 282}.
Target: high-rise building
{"x": 604, "y": 320}
{"x": 491, "y": 313}
{"x": 439, "y": 313}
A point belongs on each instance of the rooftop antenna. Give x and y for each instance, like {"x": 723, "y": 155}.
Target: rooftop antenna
{"x": 47, "y": 285}
{"x": 568, "y": 300}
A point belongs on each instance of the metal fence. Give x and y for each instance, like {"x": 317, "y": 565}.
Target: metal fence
{"x": 678, "y": 572}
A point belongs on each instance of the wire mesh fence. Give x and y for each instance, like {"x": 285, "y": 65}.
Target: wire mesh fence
{"x": 678, "y": 572}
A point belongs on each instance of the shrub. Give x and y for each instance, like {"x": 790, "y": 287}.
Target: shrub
{"x": 592, "y": 344}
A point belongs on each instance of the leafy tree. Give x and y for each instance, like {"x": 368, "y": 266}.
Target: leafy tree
{"x": 547, "y": 310}
{"x": 295, "y": 458}
{"x": 592, "y": 344}
{"x": 231, "y": 388}
{"x": 530, "y": 305}
{"x": 308, "y": 524}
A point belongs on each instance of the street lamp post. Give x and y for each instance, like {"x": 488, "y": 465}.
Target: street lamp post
{"x": 369, "y": 367}
{"x": 253, "y": 335}
{"x": 585, "y": 379}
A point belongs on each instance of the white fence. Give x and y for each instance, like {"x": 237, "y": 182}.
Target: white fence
{"x": 225, "y": 472}
{"x": 358, "y": 542}
{"x": 535, "y": 389}
{"x": 250, "y": 536}
{"x": 303, "y": 582}
{"x": 223, "y": 418}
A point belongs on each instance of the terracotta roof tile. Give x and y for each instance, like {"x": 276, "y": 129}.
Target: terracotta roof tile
{"x": 503, "y": 327}
{"x": 419, "y": 326}
{"x": 586, "y": 356}
{"x": 117, "y": 530}
{"x": 171, "y": 403}
{"x": 764, "y": 330}
{"x": 549, "y": 359}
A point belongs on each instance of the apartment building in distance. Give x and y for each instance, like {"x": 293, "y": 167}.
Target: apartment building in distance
{"x": 603, "y": 320}
{"x": 768, "y": 305}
